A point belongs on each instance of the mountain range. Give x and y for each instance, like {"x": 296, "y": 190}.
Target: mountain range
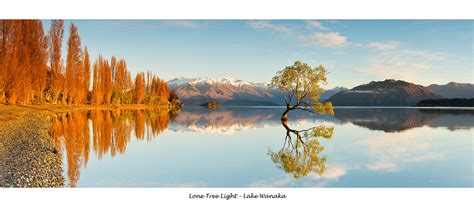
{"x": 384, "y": 93}
{"x": 453, "y": 90}
{"x": 230, "y": 91}
{"x": 234, "y": 92}
{"x": 198, "y": 90}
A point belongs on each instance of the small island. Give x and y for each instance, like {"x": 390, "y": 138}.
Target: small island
{"x": 211, "y": 104}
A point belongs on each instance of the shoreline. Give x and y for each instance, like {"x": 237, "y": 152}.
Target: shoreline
{"x": 358, "y": 107}
{"x": 28, "y": 155}
{"x": 66, "y": 108}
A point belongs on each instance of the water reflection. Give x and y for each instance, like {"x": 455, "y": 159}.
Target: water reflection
{"x": 111, "y": 133}
{"x": 300, "y": 154}
{"x": 233, "y": 119}
{"x": 211, "y": 136}
{"x": 401, "y": 119}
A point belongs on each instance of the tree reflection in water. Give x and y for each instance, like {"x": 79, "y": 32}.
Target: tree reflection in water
{"x": 300, "y": 154}
{"x": 111, "y": 132}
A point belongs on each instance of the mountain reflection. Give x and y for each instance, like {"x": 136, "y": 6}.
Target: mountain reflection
{"x": 111, "y": 132}
{"x": 300, "y": 154}
{"x": 228, "y": 120}
{"x": 401, "y": 119}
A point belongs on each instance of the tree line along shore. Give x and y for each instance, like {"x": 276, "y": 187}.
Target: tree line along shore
{"x": 32, "y": 71}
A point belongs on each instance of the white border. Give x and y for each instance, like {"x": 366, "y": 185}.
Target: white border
{"x": 297, "y": 197}
{"x": 238, "y": 9}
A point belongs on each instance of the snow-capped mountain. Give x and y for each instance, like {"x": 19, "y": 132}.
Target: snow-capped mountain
{"x": 229, "y": 91}
{"x": 194, "y": 91}
{"x": 176, "y": 82}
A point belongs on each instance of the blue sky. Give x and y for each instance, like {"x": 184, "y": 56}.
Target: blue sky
{"x": 353, "y": 51}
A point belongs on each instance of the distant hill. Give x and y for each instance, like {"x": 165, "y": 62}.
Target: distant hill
{"x": 331, "y": 92}
{"x": 230, "y": 92}
{"x": 454, "y": 90}
{"x": 383, "y": 93}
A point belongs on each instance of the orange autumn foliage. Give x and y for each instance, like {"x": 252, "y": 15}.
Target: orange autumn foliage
{"x": 32, "y": 70}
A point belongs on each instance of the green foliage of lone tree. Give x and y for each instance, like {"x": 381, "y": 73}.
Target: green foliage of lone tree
{"x": 301, "y": 87}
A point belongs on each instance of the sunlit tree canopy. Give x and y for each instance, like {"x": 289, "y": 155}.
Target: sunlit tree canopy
{"x": 301, "y": 86}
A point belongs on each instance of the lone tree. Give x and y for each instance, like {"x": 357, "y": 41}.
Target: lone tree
{"x": 301, "y": 88}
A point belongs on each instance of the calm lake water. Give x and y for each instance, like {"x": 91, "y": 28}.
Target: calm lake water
{"x": 249, "y": 147}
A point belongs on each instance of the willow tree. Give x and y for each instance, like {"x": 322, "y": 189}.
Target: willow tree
{"x": 301, "y": 87}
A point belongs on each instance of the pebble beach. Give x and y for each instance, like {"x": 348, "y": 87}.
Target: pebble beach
{"x": 28, "y": 157}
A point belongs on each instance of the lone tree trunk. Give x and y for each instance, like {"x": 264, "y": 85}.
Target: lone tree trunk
{"x": 284, "y": 116}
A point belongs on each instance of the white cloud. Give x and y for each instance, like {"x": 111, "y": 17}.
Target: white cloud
{"x": 183, "y": 23}
{"x": 333, "y": 172}
{"x": 313, "y": 24}
{"x": 394, "y": 68}
{"x": 383, "y": 45}
{"x": 267, "y": 25}
{"x": 320, "y": 39}
{"x": 408, "y": 65}
{"x": 425, "y": 54}
{"x": 425, "y": 157}
{"x": 325, "y": 39}
{"x": 383, "y": 166}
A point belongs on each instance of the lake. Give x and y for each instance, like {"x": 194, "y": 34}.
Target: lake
{"x": 250, "y": 147}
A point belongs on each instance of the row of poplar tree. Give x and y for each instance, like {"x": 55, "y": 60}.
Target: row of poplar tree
{"x": 32, "y": 70}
